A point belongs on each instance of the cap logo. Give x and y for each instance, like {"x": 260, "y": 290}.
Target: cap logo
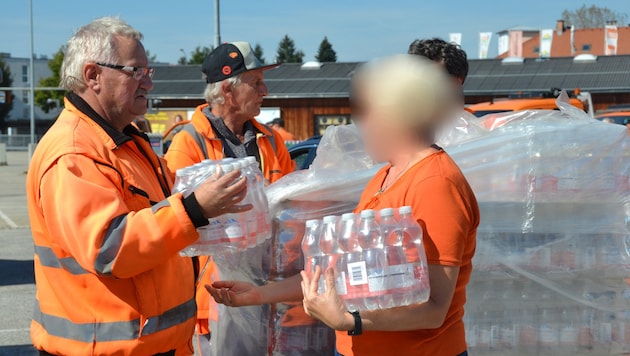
{"x": 227, "y": 70}
{"x": 233, "y": 55}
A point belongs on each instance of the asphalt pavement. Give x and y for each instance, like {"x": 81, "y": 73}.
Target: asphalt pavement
{"x": 17, "y": 283}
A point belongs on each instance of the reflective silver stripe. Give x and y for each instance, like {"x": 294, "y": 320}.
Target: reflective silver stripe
{"x": 163, "y": 204}
{"x": 47, "y": 258}
{"x": 111, "y": 245}
{"x": 170, "y": 318}
{"x": 113, "y": 331}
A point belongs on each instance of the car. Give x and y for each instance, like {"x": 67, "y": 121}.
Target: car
{"x": 615, "y": 117}
{"x": 303, "y": 153}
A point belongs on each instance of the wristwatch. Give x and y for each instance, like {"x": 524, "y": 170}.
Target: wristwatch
{"x": 358, "y": 326}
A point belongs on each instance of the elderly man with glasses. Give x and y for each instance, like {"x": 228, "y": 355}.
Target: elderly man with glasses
{"x": 106, "y": 229}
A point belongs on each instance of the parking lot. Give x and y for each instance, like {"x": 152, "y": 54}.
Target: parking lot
{"x": 17, "y": 284}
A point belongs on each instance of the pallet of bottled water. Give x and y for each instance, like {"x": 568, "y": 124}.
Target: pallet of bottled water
{"x": 378, "y": 257}
{"x": 229, "y": 232}
{"x": 551, "y": 273}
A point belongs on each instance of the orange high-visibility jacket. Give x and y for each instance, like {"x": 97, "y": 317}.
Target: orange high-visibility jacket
{"x": 185, "y": 151}
{"x": 107, "y": 235}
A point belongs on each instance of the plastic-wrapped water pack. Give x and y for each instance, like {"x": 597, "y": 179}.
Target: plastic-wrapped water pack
{"x": 551, "y": 273}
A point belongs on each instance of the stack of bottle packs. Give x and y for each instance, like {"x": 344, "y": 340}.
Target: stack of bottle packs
{"x": 378, "y": 259}
{"x": 229, "y": 232}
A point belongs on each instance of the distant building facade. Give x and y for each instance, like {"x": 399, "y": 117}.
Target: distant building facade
{"x": 564, "y": 41}
{"x": 20, "y": 73}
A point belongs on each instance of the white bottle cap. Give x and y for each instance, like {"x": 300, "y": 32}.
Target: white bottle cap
{"x": 348, "y": 216}
{"x": 404, "y": 210}
{"x": 311, "y": 223}
{"x": 388, "y": 212}
{"x": 250, "y": 159}
{"x": 227, "y": 160}
{"x": 227, "y": 167}
{"x": 330, "y": 219}
{"x": 369, "y": 213}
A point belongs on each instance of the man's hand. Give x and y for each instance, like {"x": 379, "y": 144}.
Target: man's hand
{"x": 234, "y": 293}
{"x": 327, "y": 307}
{"x": 220, "y": 195}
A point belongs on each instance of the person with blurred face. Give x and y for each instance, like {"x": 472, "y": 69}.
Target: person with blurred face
{"x": 107, "y": 232}
{"x": 400, "y": 102}
{"x": 226, "y": 127}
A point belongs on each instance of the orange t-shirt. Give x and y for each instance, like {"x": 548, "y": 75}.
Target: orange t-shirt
{"x": 445, "y": 206}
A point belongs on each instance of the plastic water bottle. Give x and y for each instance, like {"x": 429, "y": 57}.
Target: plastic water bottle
{"x": 351, "y": 265}
{"x": 310, "y": 246}
{"x": 416, "y": 256}
{"x": 258, "y": 189}
{"x": 371, "y": 242}
{"x": 182, "y": 181}
{"x": 251, "y": 216}
{"x": 331, "y": 253}
{"x": 234, "y": 225}
{"x": 397, "y": 274}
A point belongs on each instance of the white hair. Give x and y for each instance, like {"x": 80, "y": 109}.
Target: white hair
{"x": 214, "y": 91}
{"x": 94, "y": 42}
{"x": 414, "y": 92}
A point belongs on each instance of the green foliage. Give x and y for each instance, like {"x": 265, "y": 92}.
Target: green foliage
{"x": 196, "y": 56}
{"x": 151, "y": 57}
{"x": 326, "y": 53}
{"x": 6, "y": 81}
{"x": 287, "y": 52}
{"x": 259, "y": 53}
{"x": 593, "y": 17}
{"x": 48, "y": 99}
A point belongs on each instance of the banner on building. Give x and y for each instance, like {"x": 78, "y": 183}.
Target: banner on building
{"x": 546, "y": 39}
{"x": 455, "y": 38}
{"x": 504, "y": 43}
{"x": 484, "y": 44}
{"x": 611, "y": 38}
{"x": 573, "y": 49}
{"x": 516, "y": 44}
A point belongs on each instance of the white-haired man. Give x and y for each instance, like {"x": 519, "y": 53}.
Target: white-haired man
{"x": 106, "y": 229}
{"x": 225, "y": 127}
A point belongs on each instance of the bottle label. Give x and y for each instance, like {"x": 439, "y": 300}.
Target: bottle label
{"x": 605, "y": 333}
{"x": 340, "y": 284}
{"x": 548, "y": 335}
{"x": 376, "y": 281}
{"x": 357, "y": 273}
{"x": 568, "y": 335}
{"x": 398, "y": 276}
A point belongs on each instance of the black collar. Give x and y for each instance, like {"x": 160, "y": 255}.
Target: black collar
{"x": 118, "y": 137}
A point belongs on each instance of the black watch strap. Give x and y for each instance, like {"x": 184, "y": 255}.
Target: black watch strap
{"x": 358, "y": 325}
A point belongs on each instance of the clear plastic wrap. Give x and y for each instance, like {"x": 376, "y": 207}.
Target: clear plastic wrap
{"x": 551, "y": 270}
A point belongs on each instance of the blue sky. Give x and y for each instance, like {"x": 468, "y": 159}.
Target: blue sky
{"x": 358, "y": 30}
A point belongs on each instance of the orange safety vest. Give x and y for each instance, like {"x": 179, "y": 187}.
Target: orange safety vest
{"x": 198, "y": 141}
{"x": 107, "y": 235}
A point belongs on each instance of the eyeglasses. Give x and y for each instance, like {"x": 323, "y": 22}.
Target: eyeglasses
{"x": 137, "y": 72}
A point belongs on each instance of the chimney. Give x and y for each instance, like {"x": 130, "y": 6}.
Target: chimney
{"x": 560, "y": 27}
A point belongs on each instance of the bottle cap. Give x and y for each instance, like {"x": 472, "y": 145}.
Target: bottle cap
{"x": 250, "y": 159}
{"x": 404, "y": 210}
{"x": 330, "y": 219}
{"x": 227, "y": 167}
{"x": 388, "y": 212}
{"x": 369, "y": 213}
{"x": 348, "y": 216}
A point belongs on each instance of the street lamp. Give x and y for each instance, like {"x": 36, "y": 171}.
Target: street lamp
{"x": 31, "y": 94}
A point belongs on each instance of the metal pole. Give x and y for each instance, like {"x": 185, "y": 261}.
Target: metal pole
{"x": 217, "y": 24}
{"x": 31, "y": 80}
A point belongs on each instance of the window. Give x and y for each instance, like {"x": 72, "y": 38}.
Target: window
{"x": 536, "y": 49}
{"x": 25, "y": 96}
{"x": 25, "y": 113}
{"x": 586, "y": 47}
{"x": 25, "y": 73}
{"x": 323, "y": 121}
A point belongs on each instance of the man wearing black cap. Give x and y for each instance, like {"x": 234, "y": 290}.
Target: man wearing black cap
{"x": 225, "y": 127}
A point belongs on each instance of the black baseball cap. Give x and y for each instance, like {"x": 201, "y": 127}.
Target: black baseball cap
{"x": 229, "y": 60}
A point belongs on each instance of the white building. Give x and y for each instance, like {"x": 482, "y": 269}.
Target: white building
{"x": 20, "y": 68}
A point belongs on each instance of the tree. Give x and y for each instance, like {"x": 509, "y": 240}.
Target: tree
{"x": 5, "y": 81}
{"x": 259, "y": 53}
{"x": 48, "y": 99}
{"x": 326, "y": 53}
{"x": 151, "y": 57}
{"x": 592, "y": 17}
{"x": 197, "y": 56}
{"x": 287, "y": 52}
